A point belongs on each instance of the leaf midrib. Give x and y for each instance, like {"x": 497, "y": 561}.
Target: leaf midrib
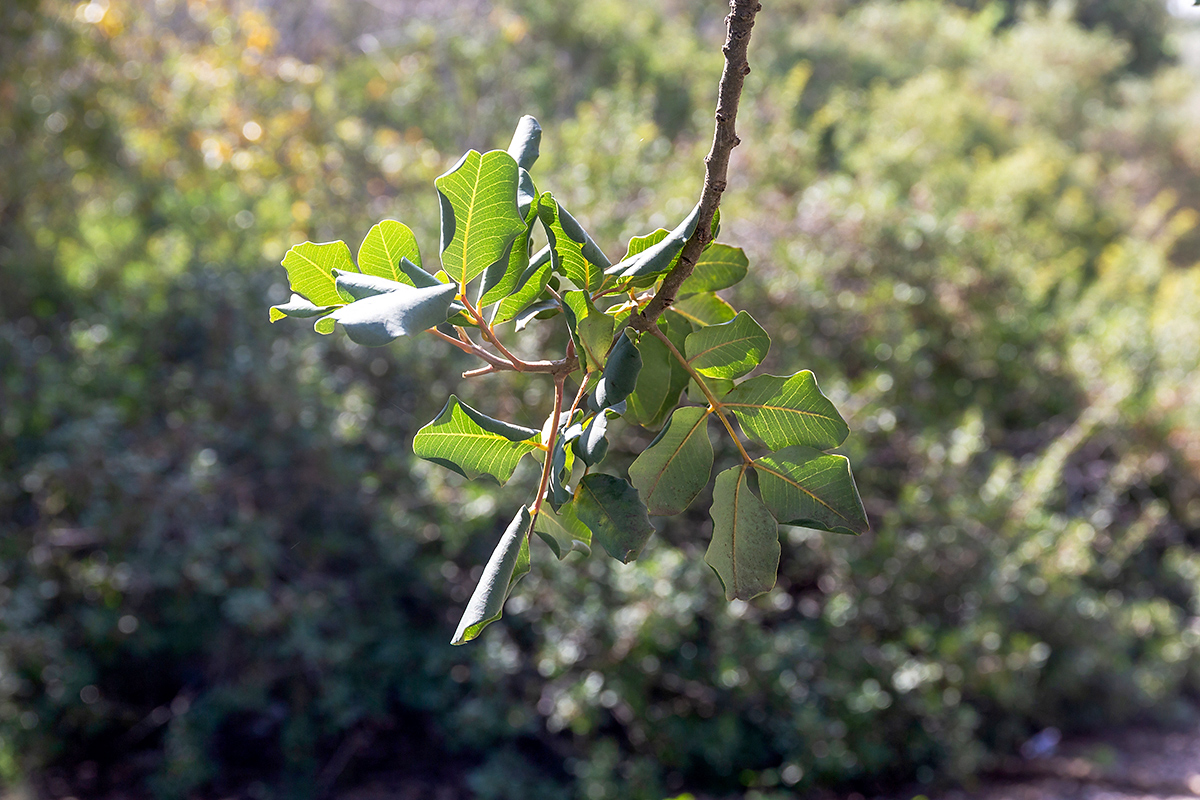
{"x": 792, "y": 481}
{"x": 671, "y": 458}
{"x": 726, "y": 343}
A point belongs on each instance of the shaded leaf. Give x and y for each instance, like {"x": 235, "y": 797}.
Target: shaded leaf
{"x": 611, "y": 509}
{"x": 310, "y": 267}
{"x": 591, "y": 328}
{"x": 509, "y": 561}
{"x": 778, "y": 412}
{"x": 803, "y": 486}
{"x": 662, "y": 377}
{"x": 703, "y": 309}
{"x": 501, "y": 278}
{"x": 536, "y": 311}
{"x": 744, "y": 551}
{"x": 530, "y": 287}
{"x": 677, "y": 465}
{"x": 479, "y": 213}
{"x": 561, "y": 464}
{"x": 592, "y": 444}
{"x": 719, "y": 267}
{"x": 728, "y": 350}
{"x": 718, "y": 387}
{"x": 563, "y": 531}
{"x": 620, "y": 373}
{"x": 473, "y": 444}
{"x": 382, "y": 248}
{"x": 403, "y": 311}
{"x": 358, "y": 286}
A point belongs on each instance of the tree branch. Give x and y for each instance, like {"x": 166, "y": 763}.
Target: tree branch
{"x": 716, "y": 163}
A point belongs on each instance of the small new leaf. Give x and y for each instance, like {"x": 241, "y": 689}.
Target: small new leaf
{"x": 728, "y": 350}
{"x": 803, "y": 486}
{"x": 612, "y": 510}
{"x": 383, "y": 247}
{"x": 677, "y": 465}
{"x": 509, "y": 562}
{"x": 778, "y": 412}
{"x": 744, "y": 551}
{"x": 473, "y": 444}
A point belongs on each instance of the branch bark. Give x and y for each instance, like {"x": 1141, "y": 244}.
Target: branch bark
{"x": 716, "y": 164}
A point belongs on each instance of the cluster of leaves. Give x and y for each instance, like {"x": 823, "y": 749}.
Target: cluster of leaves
{"x": 701, "y": 346}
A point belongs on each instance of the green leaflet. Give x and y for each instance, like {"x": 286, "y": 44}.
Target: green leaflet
{"x": 728, "y": 350}
{"x": 473, "y": 444}
{"x": 612, "y": 510}
{"x": 591, "y": 328}
{"x": 297, "y": 306}
{"x": 677, "y": 465}
{"x": 508, "y": 564}
{"x": 639, "y": 243}
{"x": 310, "y": 267}
{"x": 744, "y": 551}
{"x": 703, "y": 309}
{"x": 662, "y": 377}
{"x": 620, "y": 373}
{"x": 562, "y": 461}
{"x": 718, "y": 387}
{"x": 403, "y": 311}
{"x": 592, "y": 444}
{"x": 479, "y": 213}
{"x": 658, "y": 257}
{"x": 382, "y": 248}
{"x": 501, "y": 278}
{"x": 526, "y": 142}
{"x": 719, "y": 267}
{"x": 803, "y": 486}
{"x": 777, "y": 412}
{"x": 568, "y": 253}
{"x": 563, "y": 531}
{"x": 529, "y": 287}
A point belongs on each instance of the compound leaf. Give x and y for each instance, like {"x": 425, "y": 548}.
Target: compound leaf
{"x": 382, "y": 248}
{"x": 612, "y": 510}
{"x": 719, "y": 267}
{"x": 744, "y": 551}
{"x": 479, "y": 213}
{"x": 310, "y": 267}
{"x": 473, "y": 444}
{"x": 780, "y": 411}
{"x": 508, "y": 564}
{"x": 728, "y": 350}
{"x": 677, "y": 464}
{"x": 803, "y": 486}
{"x": 402, "y": 311}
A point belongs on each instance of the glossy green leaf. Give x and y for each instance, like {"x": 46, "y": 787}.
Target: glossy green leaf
{"x": 778, "y": 412}
{"x": 620, "y": 373}
{"x": 479, "y": 213}
{"x": 612, "y": 510}
{"x": 530, "y": 287}
{"x": 662, "y": 377}
{"x": 382, "y": 248}
{"x": 310, "y": 267}
{"x": 677, "y": 465}
{"x": 719, "y": 267}
{"x": 297, "y": 306}
{"x": 526, "y": 142}
{"x": 744, "y": 551}
{"x": 563, "y": 531}
{"x": 508, "y": 563}
{"x": 728, "y": 350}
{"x": 403, "y": 311}
{"x": 473, "y": 444}
{"x": 703, "y": 309}
{"x": 658, "y": 257}
{"x": 592, "y": 444}
{"x": 803, "y": 486}
{"x": 567, "y": 252}
{"x": 591, "y": 328}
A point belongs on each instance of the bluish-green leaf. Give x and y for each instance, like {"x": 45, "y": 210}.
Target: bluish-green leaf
{"x": 567, "y": 251}
{"x": 473, "y": 444}
{"x": 662, "y": 377}
{"x": 611, "y": 509}
{"x": 563, "y": 531}
{"x": 592, "y": 444}
{"x": 779, "y": 412}
{"x": 530, "y": 287}
{"x": 480, "y": 196}
{"x": 620, "y": 373}
{"x": 803, "y": 486}
{"x": 509, "y": 561}
{"x": 526, "y": 142}
{"x": 501, "y": 278}
{"x": 404, "y": 311}
{"x": 562, "y": 461}
{"x": 591, "y": 328}
{"x": 658, "y": 258}
{"x": 358, "y": 286}
{"x": 703, "y": 309}
{"x": 719, "y": 267}
{"x": 728, "y": 350}
{"x": 744, "y": 551}
{"x": 677, "y": 465}
{"x": 382, "y": 248}
{"x": 310, "y": 267}
{"x": 298, "y": 307}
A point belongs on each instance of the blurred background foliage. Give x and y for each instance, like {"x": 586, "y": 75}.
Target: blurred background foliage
{"x": 224, "y": 573}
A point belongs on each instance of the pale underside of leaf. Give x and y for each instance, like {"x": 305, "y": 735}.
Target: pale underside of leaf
{"x": 509, "y": 561}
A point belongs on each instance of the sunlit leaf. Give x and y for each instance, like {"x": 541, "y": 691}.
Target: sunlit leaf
{"x": 591, "y": 328}
{"x": 568, "y": 252}
{"x": 744, "y": 551}
{"x": 473, "y": 444}
{"x": 479, "y": 213}
{"x": 778, "y": 412}
{"x": 803, "y": 486}
{"x": 658, "y": 257}
{"x": 719, "y": 267}
{"x": 501, "y": 278}
{"x": 310, "y": 267}
{"x": 382, "y": 248}
{"x": 509, "y": 562}
{"x": 530, "y": 287}
{"x": 703, "y": 309}
{"x": 563, "y": 531}
{"x": 728, "y": 350}
{"x": 611, "y": 509}
{"x": 677, "y": 465}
